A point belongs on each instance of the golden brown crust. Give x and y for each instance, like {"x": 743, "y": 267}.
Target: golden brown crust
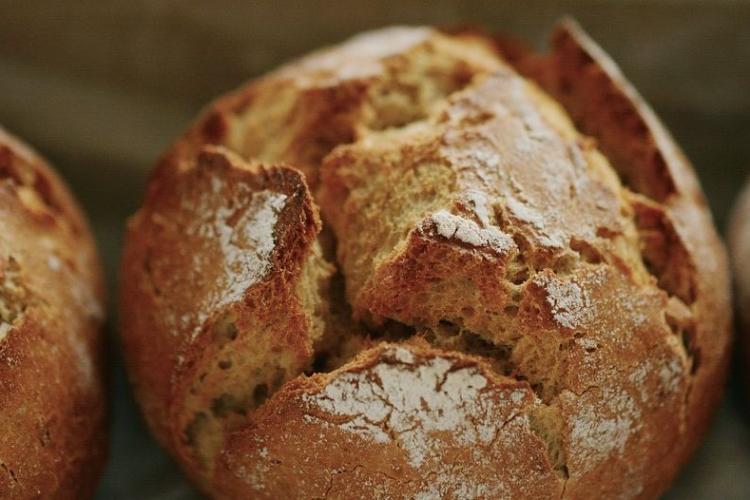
{"x": 605, "y": 105}
{"x": 219, "y": 255}
{"x": 52, "y": 401}
{"x": 570, "y": 287}
{"x": 434, "y": 423}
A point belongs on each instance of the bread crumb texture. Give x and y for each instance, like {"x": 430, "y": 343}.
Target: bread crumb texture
{"x": 423, "y": 264}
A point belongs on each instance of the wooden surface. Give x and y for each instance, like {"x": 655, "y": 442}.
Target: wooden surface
{"x": 102, "y": 87}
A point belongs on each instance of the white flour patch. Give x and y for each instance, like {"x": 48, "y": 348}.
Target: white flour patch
{"x": 639, "y": 376}
{"x": 633, "y": 307}
{"x": 245, "y": 240}
{"x": 517, "y": 396}
{"x": 416, "y": 404}
{"x": 671, "y": 375}
{"x": 587, "y": 344}
{"x": 54, "y": 262}
{"x": 548, "y": 235}
{"x": 479, "y": 204}
{"x": 599, "y": 432}
{"x": 408, "y": 402}
{"x": 255, "y": 477}
{"x": 248, "y": 245}
{"x": 569, "y": 303}
{"x": 454, "y": 227}
{"x": 402, "y": 355}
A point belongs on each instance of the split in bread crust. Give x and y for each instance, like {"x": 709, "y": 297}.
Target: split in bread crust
{"x": 518, "y": 291}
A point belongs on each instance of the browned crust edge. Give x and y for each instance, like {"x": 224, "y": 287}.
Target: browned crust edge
{"x": 669, "y": 180}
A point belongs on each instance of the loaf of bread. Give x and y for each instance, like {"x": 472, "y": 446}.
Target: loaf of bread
{"x": 52, "y": 403}
{"x": 427, "y": 264}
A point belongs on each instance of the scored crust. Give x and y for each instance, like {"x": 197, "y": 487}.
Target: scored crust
{"x": 678, "y": 239}
{"x": 531, "y": 299}
{"x": 432, "y": 422}
{"x": 52, "y": 403}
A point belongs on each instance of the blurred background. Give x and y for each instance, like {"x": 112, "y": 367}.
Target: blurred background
{"x": 101, "y": 87}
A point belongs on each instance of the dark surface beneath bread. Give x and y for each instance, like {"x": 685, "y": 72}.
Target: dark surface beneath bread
{"x": 103, "y": 125}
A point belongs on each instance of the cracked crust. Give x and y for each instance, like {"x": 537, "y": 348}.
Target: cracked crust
{"x": 435, "y": 424}
{"x": 245, "y": 233}
{"x": 674, "y": 222}
{"x": 52, "y": 402}
{"x": 552, "y": 258}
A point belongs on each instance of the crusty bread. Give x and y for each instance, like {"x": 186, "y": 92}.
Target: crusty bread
{"x": 52, "y": 403}
{"x": 516, "y": 292}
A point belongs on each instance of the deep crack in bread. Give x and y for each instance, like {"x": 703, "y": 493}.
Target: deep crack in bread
{"x": 424, "y": 264}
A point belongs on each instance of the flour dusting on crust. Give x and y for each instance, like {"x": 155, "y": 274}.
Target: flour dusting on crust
{"x": 569, "y": 303}
{"x": 245, "y": 241}
{"x": 411, "y": 401}
{"x": 454, "y": 227}
{"x": 598, "y": 432}
{"x": 248, "y": 245}
{"x": 422, "y": 405}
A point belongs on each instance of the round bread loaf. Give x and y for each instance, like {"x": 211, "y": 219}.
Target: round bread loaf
{"x": 52, "y": 401}
{"x": 513, "y": 288}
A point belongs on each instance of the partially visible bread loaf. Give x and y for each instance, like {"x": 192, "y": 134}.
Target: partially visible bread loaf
{"x": 52, "y": 403}
{"x": 516, "y": 292}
